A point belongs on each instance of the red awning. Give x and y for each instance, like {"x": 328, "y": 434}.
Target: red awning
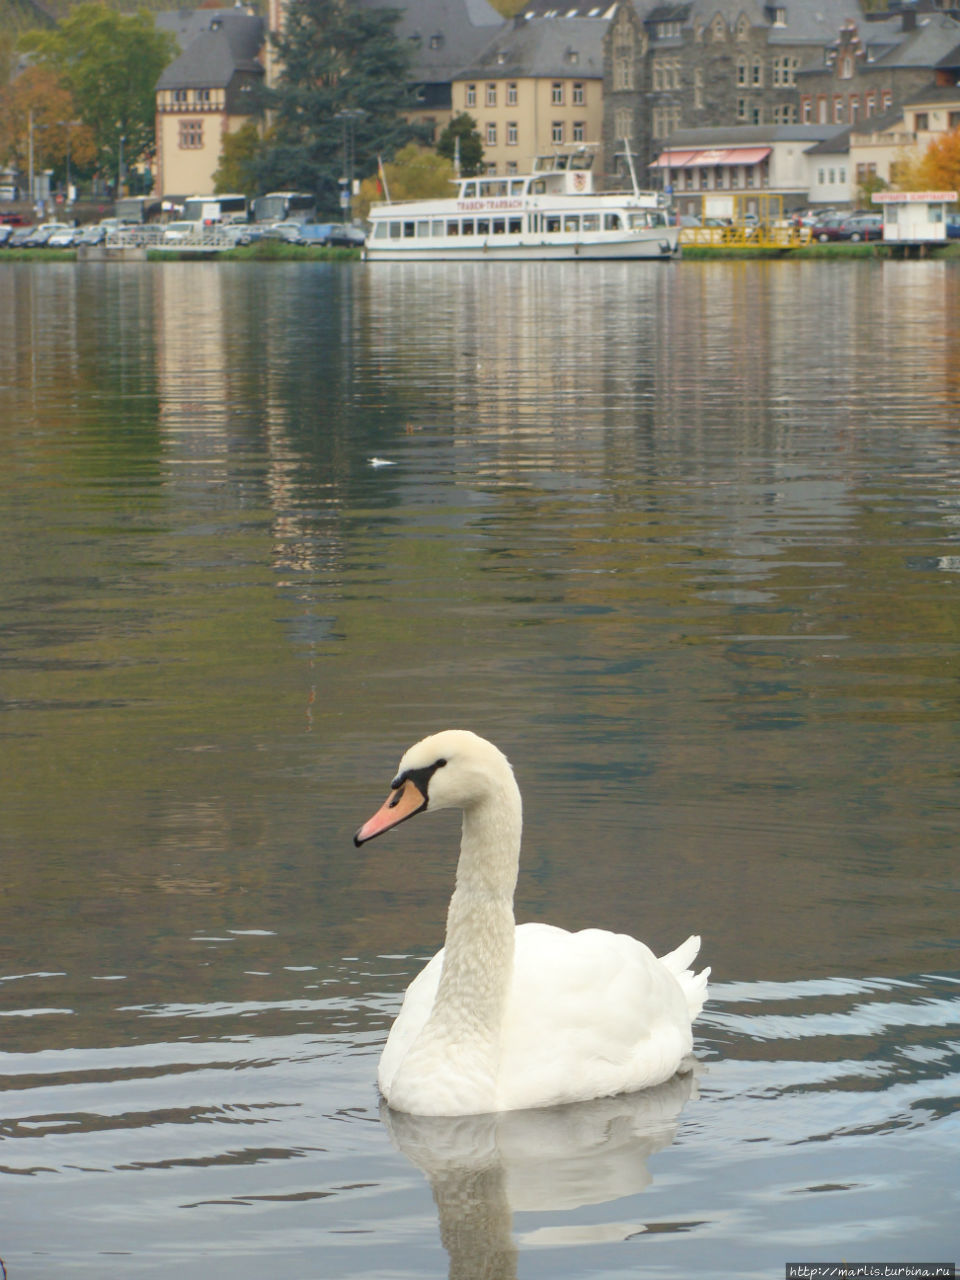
{"x": 704, "y": 159}
{"x": 673, "y": 159}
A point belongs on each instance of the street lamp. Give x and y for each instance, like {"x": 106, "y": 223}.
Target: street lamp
{"x": 348, "y": 119}
{"x": 123, "y": 138}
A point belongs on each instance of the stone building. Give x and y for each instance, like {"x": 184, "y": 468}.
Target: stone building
{"x": 871, "y": 68}
{"x": 708, "y": 62}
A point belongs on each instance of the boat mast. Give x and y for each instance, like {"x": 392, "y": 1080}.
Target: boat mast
{"x": 633, "y": 172}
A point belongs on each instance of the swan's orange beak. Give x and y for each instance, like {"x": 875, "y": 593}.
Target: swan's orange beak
{"x": 399, "y": 805}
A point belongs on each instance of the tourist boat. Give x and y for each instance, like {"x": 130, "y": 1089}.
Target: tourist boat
{"x": 553, "y": 212}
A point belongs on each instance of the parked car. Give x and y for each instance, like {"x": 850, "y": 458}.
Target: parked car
{"x": 42, "y": 233}
{"x": 20, "y": 237}
{"x": 92, "y": 234}
{"x": 854, "y": 226}
{"x": 342, "y": 234}
{"x": 175, "y": 232}
{"x": 864, "y": 226}
{"x": 953, "y": 226}
{"x": 6, "y": 231}
{"x": 62, "y": 238}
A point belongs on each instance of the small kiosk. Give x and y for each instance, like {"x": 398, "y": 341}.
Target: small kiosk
{"x": 916, "y": 218}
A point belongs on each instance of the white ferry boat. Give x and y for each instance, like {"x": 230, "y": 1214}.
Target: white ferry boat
{"x": 553, "y": 212}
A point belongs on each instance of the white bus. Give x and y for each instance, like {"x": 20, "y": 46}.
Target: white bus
{"x": 281, "y": 206}
{"x": 213, "y": 209}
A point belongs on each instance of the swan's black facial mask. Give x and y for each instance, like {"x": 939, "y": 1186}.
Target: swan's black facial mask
{"x": 408, "y": 796}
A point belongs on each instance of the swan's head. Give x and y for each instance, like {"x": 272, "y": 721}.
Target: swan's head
{"x": 455, "y": 769}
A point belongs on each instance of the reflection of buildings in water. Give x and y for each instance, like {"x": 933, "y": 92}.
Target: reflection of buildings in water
{"x": 483, "y": 1169}
{"x": 192, "y": 371}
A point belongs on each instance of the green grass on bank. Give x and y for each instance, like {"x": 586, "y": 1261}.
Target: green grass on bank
{"x": 837, "y": 250}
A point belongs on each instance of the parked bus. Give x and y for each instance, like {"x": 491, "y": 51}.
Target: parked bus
{"x": 137, "y": 209}
{"x": 283, "y": 206}
{"x": 212, "y": 209}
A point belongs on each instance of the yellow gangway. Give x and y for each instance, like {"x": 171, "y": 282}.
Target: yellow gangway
{"x": 757, "y": 222}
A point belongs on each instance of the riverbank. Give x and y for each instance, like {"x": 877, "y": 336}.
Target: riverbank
{"x": 279, "y": 251}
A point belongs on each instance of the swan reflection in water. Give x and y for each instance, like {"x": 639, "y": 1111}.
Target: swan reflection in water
{"x": 482, "y": 1169}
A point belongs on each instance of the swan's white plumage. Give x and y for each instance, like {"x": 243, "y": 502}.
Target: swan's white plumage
{"x": 506, "y": 1016}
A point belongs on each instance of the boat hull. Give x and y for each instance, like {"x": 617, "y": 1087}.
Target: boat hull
{"x": 663, "y": 245}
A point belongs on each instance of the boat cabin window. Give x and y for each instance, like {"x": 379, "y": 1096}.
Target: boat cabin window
{"x": 538, "y": 187}
{"x": 380, "y": 230}
{"x": 582, "y": 160}
{"x": 571, "y": 222}
{"x": 611, "y": 222}
{"x": 467, "y": 226}
{"x": 453, "y": 227}
{"x": 409, "y": 230}
{"x": 491, "y": 189}
{"x": 639, "y": 220}
{"x": 591, "y": 222}
{"x": 551, "y": 222}
{"x": 436, "y": 228}
{"x": 499, "y": 226}
{"x": 483, "y": 226}
{"x": 423, "y": 228}
{"x": 469, "y": 190}
{"x": 516, "y": 187}
{"x": 395, "y": 229}
{"x": 516, "y": 226}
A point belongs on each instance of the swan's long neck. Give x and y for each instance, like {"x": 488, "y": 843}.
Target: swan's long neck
{"x": 478, "y": 953}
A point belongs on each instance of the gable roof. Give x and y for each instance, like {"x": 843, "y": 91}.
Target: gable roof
{"x": 229, "y": 42}
{"x": 542, "y": 47}
{"x": 443, "y": 34}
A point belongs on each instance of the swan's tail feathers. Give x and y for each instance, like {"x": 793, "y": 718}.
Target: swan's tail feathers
{"x": 693, "y": 985}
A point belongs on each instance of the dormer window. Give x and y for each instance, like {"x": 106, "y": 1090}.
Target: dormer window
{"x": 779, "y": 17}
{"x": 436, "y": 42}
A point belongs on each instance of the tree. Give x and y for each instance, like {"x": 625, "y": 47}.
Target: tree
{"x": 335, "y": 58}
{"x": 416, "y": 173}
{"x": 939, "y": 167}
{"x": 38, "y": 94}
{"x": 238, "y": 159}
{"x": 464, "y": 128}
{"x": 110, "y": 64}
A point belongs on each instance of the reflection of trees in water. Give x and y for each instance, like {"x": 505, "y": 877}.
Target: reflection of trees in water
{"x": 483, "y": 1169}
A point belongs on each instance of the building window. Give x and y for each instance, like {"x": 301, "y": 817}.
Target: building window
{"x": 556, "y": 132}
{"x": 806, "y": 110}
{"x": 491, "y": 133}
{"x": 741, "y": 108}
{"x": 822, "y": 109}
{"x": 623, "y": 64}
{"x": 757, "y": 76}
{"x": 191, "y": 135}
{"x": 837, "y": 109}
{"x": 511, "y": 133}
{"x": 779, "y": 17}
{"x": 556, "y": 93}
{"x": 741, "y": 71}
{"x": 846, "y": 68}
{"x": 854, "y": 108}
{"x": 842, "y": 175}
{"x": 953, "y": 119}
{"x": 179, "y": 95}
{"x": 578, "y": 98}
{"x": 871, "y": 103}
{"x": 698, "y": 88}
{"x": 201, "y": 95}
{"x": 471, "y": 96}
{"x": 436, "y": 42}
{"x": 756, "y": 115}
{"x": 491, "y": 95}
{"x": 512, "y": 93}
{"x": 886, "y": 100}
{"x": 623, "y": 123}
{"x": 578, "y": 131}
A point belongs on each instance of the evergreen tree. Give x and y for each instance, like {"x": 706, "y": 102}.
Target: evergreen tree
{"x": 464, "y": 128}
{"x": 335, "y": 58}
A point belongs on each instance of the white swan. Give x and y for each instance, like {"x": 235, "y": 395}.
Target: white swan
{"x": 508, "y": 1016}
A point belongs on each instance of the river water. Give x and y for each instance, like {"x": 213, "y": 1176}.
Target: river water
{"x": 684, "y": 540}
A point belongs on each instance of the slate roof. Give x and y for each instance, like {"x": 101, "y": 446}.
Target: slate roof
{"x": 228, "y": 41}
{"x": 543, "y": 47}
{"x": 745, "y": 135}
{"x": 445, "y": 34}
{"x": 814, "y": 22}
